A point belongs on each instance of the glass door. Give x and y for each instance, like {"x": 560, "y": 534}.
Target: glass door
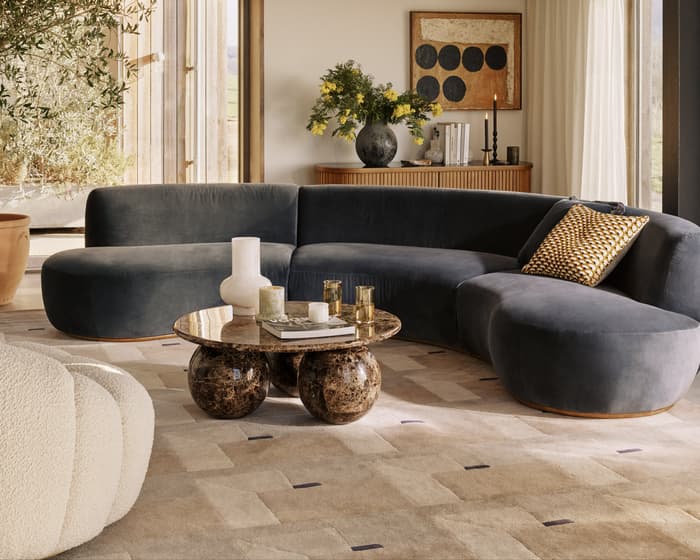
{"x": 180, "y": 117}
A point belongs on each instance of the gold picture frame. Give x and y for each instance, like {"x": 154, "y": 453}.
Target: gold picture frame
{"x": 461, "y": 60}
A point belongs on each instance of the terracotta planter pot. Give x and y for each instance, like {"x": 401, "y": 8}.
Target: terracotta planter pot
{"x": 14, "y": 250}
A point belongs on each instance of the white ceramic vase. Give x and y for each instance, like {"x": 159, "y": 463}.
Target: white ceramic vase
{"x": 241, "y": 289}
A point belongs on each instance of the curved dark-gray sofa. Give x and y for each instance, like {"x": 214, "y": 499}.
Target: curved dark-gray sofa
{"x": 446, "y": 261}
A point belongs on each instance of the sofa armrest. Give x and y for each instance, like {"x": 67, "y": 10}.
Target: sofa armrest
{"x": 663, "y": 266}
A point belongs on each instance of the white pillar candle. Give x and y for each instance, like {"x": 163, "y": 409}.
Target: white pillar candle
{"x": 271, "y": 302}
{"x": 318, "y": 312}
{"x": 245, "y": 256}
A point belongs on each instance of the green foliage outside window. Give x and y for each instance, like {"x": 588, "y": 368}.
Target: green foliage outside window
{"x": 60, "y": 92}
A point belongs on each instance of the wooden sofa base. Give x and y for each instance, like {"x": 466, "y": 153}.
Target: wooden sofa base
{"x": 601, "y": 415}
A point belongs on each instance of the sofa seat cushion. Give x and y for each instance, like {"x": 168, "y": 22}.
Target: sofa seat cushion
{"x": 417, "y": 284}
{"x": 581, "y": 350}
{"x": 136, "y": 292}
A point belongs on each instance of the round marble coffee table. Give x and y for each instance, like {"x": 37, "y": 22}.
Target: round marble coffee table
{"x": 338, "y": 377}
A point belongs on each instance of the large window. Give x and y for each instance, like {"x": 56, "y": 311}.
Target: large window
{"x": 193, "y": 114}
{"x": 232, "y": 88}
{"x": 649, "y": 107}
{"x": 181, "y": 117}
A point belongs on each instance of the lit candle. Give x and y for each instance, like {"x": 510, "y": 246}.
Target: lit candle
{"x": 486, "y": 131}
{"x": 495, "y": 113}
{"x": 318, "y": 312}
{"x": 271, "y": 302}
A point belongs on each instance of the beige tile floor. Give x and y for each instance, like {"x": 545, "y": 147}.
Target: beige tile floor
{"x": 446, "y": 465}
{"x": 28, "y": 294}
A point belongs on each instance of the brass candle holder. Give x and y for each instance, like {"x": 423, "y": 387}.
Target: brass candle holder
{"x": 333, "y": 296}
{"x": 364, "y": 304}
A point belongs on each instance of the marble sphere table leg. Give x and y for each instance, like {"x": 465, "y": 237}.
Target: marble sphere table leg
{"x": 284, "y": 371}
{"x": 228, "y": 383}
{"x": 339, "y": 386}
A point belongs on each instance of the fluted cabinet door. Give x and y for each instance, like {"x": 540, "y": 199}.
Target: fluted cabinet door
{"x": 503, "y": 177}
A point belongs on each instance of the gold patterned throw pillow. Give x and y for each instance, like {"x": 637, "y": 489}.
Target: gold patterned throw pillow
{"x": 585, "y": 245}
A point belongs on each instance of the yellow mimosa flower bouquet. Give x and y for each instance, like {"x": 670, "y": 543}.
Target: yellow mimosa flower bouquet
{"x": 350, "y": 97}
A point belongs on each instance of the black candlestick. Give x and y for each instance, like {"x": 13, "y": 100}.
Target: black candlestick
{"x": 494, "y": 160}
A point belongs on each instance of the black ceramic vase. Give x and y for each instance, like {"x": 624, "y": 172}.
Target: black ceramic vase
{"x": 376, "y": 144}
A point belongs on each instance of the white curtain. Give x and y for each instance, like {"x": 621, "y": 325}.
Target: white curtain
{"x": 604, "y": 169}
{"x": 576, "y": 87}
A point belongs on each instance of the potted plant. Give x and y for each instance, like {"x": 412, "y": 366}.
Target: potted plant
{"x": 14, "y": 251}
{"x": 349, "y": 96}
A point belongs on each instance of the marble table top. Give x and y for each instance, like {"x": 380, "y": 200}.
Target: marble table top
{"x": 217, "y": 327}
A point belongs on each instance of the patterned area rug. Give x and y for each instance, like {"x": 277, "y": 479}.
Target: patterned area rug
{"x": 446, "y": 465}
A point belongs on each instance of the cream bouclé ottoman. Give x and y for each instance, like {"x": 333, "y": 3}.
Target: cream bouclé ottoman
{"x": 75, "y": 442}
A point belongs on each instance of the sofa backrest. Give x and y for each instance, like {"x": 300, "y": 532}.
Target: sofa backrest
{"x": 488, "y": 221}
{"x": 166, "y": 214}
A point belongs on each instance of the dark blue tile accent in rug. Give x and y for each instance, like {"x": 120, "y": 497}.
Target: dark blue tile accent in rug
{"x": 630, "y": 450}
{"x": 472, "y": 467}
{"x": 360, "y": 547}
{"x": 170, "y": 344}
{"x": 556, "y": 522}
{"x": 253, "y": 438}
{"x": 412, "y": 422}
{"x": 488, "y": 378}
{"x": 306, "y": 485}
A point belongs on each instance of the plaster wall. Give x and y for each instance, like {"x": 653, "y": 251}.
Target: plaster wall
{"x": 303, "y": 38}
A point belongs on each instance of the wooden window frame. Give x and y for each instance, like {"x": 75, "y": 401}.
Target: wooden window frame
{"x": 681, "y": 89}
{"x": 251, "y": 147}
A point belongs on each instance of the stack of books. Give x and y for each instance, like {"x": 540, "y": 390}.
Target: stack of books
{"x": 454, "y": 142}
{"x": 303, "y": 327}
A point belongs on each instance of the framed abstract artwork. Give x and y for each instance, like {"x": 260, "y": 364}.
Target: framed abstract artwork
{"x": 462, "y": 60}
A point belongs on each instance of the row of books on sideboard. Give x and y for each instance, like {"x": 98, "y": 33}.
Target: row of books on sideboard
{"x": 454, "y": 142}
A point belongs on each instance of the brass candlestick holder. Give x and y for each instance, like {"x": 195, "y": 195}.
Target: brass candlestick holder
{"x": 486, "y": 160}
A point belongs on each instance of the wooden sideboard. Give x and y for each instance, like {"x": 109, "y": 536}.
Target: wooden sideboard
{"x": 493, "y": 177}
